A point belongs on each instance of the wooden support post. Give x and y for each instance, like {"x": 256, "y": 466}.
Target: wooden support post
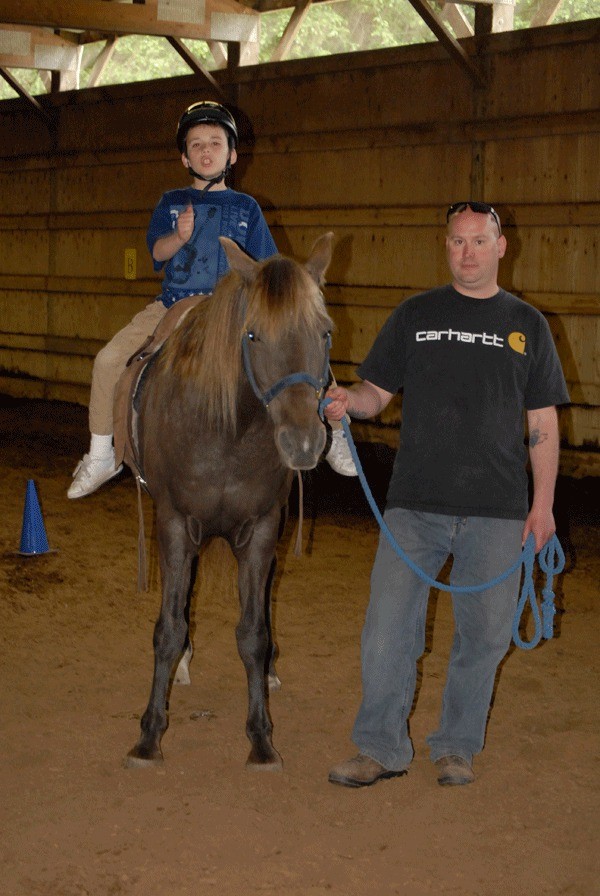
{"x": 477, "y": 178}
{"x": 234, "y": 52}
{"x": 492, "y": 18}
{"x": 102, "y": 61}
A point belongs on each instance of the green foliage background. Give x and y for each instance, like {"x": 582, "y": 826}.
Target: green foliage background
{"x": 341, "y": 27}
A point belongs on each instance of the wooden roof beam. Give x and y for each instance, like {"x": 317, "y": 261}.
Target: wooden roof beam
{"x": 18, "y": 88}
{"x": 278, "y": 5}
{"x": 195, "y": 64}
{"x": 219, "y": 52}
{"x": 451, "y": 13}
{"x": 545, "y": 12}
{"x": 494, "y": 16}
{"x": 39, "y": 48}
{"x": 221, "y": 20}
{"x": 291, "y": 30}
{"x": 491, "y": 16}
{"x": 435, "y": 24}
{"x": 102, "y": 60}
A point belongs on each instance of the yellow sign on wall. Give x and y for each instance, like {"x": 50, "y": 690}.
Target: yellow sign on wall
{"x": 130, "y": 264}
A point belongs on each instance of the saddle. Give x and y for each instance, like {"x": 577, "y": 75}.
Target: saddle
{"x": 127, "y": 388}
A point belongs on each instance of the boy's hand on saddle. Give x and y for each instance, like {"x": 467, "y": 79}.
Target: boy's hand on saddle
{"x": 185, "y": 223}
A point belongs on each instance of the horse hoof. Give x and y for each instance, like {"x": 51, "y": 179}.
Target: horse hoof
{"x": 264, "y": 766}
{"x": 134, "y": 760}
{"x": 274, "y": 764}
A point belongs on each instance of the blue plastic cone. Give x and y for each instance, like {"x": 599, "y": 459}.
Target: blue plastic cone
{"x": 33, "y": 533}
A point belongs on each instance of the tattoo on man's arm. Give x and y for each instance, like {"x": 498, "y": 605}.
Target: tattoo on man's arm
{"x": 536, "y": 437}
{"x": 371, "y": 404}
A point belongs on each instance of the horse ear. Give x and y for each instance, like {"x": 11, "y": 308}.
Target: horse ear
{"x": 320, "y": 257}
{"x": 238, "y": 260}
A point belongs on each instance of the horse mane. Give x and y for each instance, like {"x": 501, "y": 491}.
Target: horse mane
{"x": 203, "y": 355}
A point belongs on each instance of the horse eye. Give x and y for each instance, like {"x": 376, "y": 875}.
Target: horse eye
{"x": 327, "y": 334}
{"x": 251, "y": 336}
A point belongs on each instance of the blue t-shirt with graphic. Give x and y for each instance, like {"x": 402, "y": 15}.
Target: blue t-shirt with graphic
{"x": 201, "y": 262}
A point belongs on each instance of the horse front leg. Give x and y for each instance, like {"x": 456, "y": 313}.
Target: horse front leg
{"x": 176, "y": 553}
{"x": 255, "y": 565}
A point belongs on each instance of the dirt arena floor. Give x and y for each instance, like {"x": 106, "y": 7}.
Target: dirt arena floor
{"x": 76, "y": 663}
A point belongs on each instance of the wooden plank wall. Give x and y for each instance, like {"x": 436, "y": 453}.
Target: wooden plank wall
{"x": 371, "y": 146}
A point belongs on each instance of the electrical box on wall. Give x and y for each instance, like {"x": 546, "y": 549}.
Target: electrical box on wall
{"x": 130, "y": 264}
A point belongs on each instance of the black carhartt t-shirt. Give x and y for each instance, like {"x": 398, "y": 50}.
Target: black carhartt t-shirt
{"x": 467, "y": 368}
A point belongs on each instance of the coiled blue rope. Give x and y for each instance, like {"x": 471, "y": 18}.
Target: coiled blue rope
{"x": 551, "y": 560}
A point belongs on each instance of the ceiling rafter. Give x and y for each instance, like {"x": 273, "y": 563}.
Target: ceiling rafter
{"x": 452, "y": 14}
{"x": 210, "y": 19}
{"x": 299, "y": 13}
{"x": 545, "y": 12}
{"x": 102, "y": 60}
{"x": 49, "y": 35}
{"x": 456, "y": 51}
{"x": 195, "y": 64}
{"x": 25, "y": 95}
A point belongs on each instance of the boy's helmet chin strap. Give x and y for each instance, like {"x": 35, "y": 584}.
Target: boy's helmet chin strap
{"x": 210, "y": 181}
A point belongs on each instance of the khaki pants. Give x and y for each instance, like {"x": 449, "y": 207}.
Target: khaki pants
{"x": 110, "y": 363}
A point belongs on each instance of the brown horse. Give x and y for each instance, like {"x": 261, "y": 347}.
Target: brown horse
{"x": 228, "y": 412}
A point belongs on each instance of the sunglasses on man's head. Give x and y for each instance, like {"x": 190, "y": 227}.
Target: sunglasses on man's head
{"x": 480, "y": 207}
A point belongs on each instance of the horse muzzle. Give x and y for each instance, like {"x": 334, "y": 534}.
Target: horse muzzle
{"x": 298, "y": 448}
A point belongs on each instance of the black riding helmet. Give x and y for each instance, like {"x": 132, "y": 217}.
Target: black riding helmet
{"x": 206, "y": 112}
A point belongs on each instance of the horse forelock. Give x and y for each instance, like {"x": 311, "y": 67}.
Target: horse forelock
{"x": 203, "y": 356}
{"x": 283, "y": 297}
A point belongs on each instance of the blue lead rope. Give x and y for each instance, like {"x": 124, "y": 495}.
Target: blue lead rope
{"x": 551, "y": 560}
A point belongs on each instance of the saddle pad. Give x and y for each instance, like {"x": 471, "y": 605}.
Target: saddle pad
{"x": 129, "y": 383}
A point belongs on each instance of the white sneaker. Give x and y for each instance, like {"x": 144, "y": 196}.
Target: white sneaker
{"x": 338, "y": 457}
{"x": 90, "y": 473}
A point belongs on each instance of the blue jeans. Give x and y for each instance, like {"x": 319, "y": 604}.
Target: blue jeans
{"x": 393, "y": 636}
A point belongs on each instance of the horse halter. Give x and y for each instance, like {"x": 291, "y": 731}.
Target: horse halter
{"x": 291, "y": 379}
